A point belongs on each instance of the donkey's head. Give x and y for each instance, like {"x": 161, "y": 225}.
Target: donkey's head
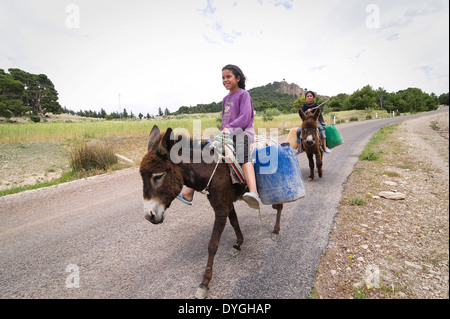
{"x": 163, "y": 181}
{"x": 309, "y": 126}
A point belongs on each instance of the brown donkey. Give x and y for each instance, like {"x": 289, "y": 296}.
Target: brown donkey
{"x": 163, "y": 179}
{"x": 311, "y": 141}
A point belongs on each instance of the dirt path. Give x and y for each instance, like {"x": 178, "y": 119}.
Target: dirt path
{"x": 384, "y": 248}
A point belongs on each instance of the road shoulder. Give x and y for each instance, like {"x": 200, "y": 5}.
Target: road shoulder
{"x": 384, "y": 248}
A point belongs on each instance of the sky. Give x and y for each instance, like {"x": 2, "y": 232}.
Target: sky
{"x": 143, "y": 55}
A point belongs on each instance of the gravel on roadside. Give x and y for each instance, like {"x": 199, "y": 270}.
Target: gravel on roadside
{"x": 383, "y": 248}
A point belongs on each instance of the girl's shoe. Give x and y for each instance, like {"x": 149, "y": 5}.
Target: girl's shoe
{"x": 180, "y": 197}
{"x": 252, "y": 200}
{"x": 327, "y": 150}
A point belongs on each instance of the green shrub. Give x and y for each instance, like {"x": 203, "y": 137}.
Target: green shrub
{"x": 369, "y": 155}
{"x": 357, "y": 201}
{"x": 269, "y": 114}
{"x": 35, "y": 118}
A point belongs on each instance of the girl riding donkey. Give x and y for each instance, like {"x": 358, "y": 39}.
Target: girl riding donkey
{"x": 308, "y": 108}
{"x": 237, "y": 121}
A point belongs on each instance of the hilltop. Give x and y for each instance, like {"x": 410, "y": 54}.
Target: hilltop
{"x": 282, "y": 87}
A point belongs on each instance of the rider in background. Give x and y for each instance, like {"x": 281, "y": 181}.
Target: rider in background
{"x": 308, "y": 108}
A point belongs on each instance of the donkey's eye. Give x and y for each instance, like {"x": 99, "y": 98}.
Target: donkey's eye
{"x": 157, "y": 177}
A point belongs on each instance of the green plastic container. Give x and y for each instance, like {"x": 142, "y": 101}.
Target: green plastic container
{"x": 334, "y": 138}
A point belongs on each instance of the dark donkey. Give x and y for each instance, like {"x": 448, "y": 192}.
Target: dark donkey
{"x": 163, "y": 180}
{"x": 311, "y": 141}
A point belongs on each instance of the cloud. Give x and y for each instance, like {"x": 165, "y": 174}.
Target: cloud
{"x": 217, "y": 30}
{"x": 287, "y": 4}
{"x": 209, "y": 10}
{"x": 317, "y": 68}
{"x": 393, "y": 37}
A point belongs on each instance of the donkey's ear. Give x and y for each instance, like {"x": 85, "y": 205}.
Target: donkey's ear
{"x": 153, "y": 135}
{"x": 302, "y": 115}
{"x": 316, "y": 114}
{"x": 166, "y": 143}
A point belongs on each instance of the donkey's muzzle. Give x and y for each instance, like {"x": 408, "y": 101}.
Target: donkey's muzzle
{"x": 152, "y": 218}
{"x": 154, "y": 212}
{"x": 310, "y": 141}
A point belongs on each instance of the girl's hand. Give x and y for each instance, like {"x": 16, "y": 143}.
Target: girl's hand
{"x": 226, "y": 130}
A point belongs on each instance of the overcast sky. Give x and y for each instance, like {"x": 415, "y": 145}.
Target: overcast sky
{"x": 170, "y": 53}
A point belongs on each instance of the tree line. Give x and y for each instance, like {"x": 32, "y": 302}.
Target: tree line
{"x": 24, "y": 93}
{"x": 411, "y": 100}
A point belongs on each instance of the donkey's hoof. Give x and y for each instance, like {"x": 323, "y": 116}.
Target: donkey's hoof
{"x": 202, "y": 293}
{"x": 235, "y": 251}
{"x": 275, "y": 237}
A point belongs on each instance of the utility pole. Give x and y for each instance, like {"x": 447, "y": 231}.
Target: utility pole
{"x": 120, "y": 114}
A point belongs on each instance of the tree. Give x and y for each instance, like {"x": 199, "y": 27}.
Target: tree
{"x": 160, "y": 112}
{"x": 166, "y": 111}
{"x": 416, "y": 101}
{"x": 11, "y": 92}
{"x": 298, "y": 103}
{"x": 411, "y": 100}
{"x": 361, "y": 99}
{"x": 443, "y": 99}
{"x": 381, "y": 96}
{"x": 39, "y": 92}
{"x": 337, "y": 102}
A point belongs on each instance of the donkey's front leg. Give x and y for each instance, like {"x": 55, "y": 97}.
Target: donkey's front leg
{"x": 311, "y": 165}
{"x": 319, "y": 163}
{"x": 219, "y": 225}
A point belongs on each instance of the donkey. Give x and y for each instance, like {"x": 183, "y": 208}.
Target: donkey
{"x": 163, "y": 179}
{"x": 311, "y": 140}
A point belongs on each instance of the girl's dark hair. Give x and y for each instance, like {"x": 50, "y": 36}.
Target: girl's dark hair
{"x": 237, "y": 73}
{"x": 313, "y": 94}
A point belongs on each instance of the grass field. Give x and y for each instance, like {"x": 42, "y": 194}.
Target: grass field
{"x": 34, "y": 155}
{"x": 63, "y": 131}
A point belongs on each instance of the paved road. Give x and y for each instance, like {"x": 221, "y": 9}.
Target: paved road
{"x": 89, "y": 239}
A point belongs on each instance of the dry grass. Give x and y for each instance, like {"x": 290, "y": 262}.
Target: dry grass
{"x": 86, "y": 157}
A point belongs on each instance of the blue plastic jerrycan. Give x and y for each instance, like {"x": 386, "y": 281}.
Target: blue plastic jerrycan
{"x": 278, "y": 175}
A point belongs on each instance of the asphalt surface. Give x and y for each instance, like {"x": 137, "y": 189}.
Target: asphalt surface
{"x": 89, "y": 238}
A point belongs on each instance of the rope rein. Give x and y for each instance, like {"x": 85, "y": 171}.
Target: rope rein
{"x": 205, "y": 191}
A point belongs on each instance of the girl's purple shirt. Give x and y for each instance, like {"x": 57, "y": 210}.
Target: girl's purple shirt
{"x": 237, "y": 112}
